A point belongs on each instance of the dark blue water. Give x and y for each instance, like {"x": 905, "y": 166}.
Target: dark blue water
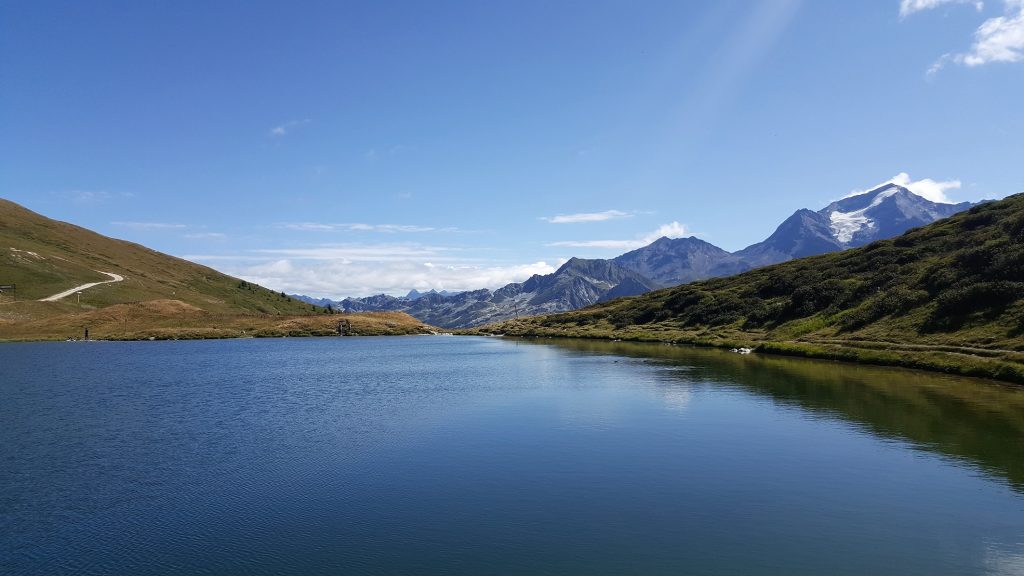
{"x": 434, "y": 455}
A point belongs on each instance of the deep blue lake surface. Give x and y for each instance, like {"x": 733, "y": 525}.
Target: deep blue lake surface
{"x": 459, "y": 455}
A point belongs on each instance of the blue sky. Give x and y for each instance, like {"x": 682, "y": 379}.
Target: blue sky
{"x": 349, "y": 148}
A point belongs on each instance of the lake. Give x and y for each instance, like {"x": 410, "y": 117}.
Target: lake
{"x": 467, "y": 455}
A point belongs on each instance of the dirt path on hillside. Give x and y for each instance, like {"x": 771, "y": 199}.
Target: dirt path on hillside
{"x": 55, "y": 297}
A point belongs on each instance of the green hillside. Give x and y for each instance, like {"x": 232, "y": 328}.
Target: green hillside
{"x": 44, "y": 257}
{"x": 947, "y": 296}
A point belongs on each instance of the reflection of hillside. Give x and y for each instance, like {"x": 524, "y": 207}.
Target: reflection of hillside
{"x": 977, "y": 420}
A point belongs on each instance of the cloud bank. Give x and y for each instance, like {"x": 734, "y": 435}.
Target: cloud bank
{"x": 341, "y": 270}
{"x": 340, "y": 277}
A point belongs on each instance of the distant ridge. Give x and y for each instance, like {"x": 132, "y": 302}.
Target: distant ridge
{"x": 884, "y": 212}
{"x": 674, "y": 261}
{"x": 579, "y": 282}
{"x": 946, "y": 296}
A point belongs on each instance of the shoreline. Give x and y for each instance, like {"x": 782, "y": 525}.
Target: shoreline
{"x": 872, "y": 353}
{"x": 983, "y": 363}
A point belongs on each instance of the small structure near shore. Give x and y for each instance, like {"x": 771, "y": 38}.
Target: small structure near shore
{"x": 344, "y": 328}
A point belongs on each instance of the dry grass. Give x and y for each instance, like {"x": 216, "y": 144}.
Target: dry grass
{"x": 174, "y": 319}
{"x": 44, "y": 257}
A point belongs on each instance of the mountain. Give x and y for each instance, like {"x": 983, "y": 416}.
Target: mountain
{"x": 674, "y": 261}
{"x": 44, "y": 257}
{"x": 881, "y": 213}
{"x": 805, "y": 233}
{"x": 884, "y": 212}
{"x": 578, "y": 282}
{"x": 380, "y": 302}
{"x": 415, "y": 294}
{"x": 321, "y": 302}
{"x": 947, "y": 296}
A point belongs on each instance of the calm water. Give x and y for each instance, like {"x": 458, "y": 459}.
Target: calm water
{"x": 423, "y": 455}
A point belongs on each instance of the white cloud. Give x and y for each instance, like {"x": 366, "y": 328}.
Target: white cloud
{"x": 389, "y": 228}
{"x": 283, "y": 129}
{"x": 90, "y": 196}
{"x": 603, "y": 244}
{"x": 360, "y": 252}
{"x": 309, "y": 226}
{"x": 999, "y": 39}
{"x": 361, "y": 227}
{"x": 926, "y": 187}
{"x": 338, "y": 277}
{"x": 93, "y": 196}
{"x": 150, "y": 225}
{"x": 586, "y": 217}
{"x": 908, "y": 7}
{"x": 205, "y": 235}
{"x": 670, "y": 230}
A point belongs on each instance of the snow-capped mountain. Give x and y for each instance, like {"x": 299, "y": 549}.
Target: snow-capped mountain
{"x": 884, "y": 212}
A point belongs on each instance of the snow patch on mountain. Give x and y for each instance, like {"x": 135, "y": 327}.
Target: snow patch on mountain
{"x": 845, "y": 224}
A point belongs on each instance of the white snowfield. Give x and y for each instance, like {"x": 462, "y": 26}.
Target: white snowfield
{"x": 55, "y": 297}
{"x": 846, "y": 224}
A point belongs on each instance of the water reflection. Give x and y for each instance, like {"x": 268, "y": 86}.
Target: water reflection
{"x": 1002, "y": 562}
{"x": 979, "y": 421}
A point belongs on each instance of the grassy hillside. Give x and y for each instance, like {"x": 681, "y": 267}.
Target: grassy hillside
{"x": 947, "y": 296}
{"x": 174, "y": 319}
{"x": 44, "y": 257}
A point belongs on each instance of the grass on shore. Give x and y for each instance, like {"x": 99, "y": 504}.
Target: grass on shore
{"x": 997, "y": 364}
{"x": 174, "y": 319}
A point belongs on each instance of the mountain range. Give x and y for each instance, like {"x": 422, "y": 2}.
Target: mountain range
{"x": 883, "y": 212}
{"x": 947, "y": 296}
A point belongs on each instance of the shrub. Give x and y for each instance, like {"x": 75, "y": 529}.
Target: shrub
{"x": 775, "y": 284}
{"x": 809, "y": 300}
{"x": 764, "y": 313}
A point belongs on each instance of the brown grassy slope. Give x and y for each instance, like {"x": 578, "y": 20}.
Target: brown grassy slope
{"x": 174, "y": 319}
{"x": 44, "y": 257}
